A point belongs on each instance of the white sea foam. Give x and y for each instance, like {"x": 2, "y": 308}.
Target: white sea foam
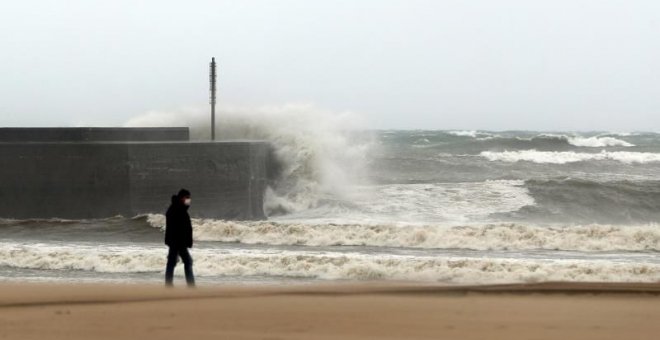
{"x": 581, "y": 141}
{"x": 471, "y": 133}
{"x": 597, "y": 142}
{"x": 326, "y": 265}
{"x": 464, "y": 133}
{"x": 575, "y": 140}
{"x": 414, "y": 203}
{"x": 478, "y": 237}
{"x": 316, "y": 148}
{"x": 563, "y": 157}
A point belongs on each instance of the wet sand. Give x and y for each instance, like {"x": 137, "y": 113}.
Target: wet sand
{"x": 339, "y": 311}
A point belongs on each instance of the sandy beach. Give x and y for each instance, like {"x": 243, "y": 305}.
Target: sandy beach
{"x": 363, "y": 311}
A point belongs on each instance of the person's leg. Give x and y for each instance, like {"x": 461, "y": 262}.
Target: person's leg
{"x": 187, "y": 266}
{"x": 172, "y": 255}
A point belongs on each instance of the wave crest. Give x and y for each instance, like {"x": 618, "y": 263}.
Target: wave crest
{"x": 325, "y": 265}
{"x": 597, "y": 142}
{"x": 589, "y": 201}
{"x": 478, "y": 237}
{"x": 575, "y": 140}
{"x": 563, "y": 157}
{"x": 469, "y": 133}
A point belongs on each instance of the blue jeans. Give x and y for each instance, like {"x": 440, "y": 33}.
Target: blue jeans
{"x": 172, "y": 258}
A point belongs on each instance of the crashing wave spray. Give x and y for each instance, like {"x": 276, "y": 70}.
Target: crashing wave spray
{"x": 318, "y": 151}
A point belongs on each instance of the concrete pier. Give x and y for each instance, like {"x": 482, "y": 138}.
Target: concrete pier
{"x": 84, "y": 179}
{"x": 93, "y": 134}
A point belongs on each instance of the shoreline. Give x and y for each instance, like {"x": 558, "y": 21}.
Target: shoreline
{"x": 12, "y": 293}
{"x": 331, "y": 311}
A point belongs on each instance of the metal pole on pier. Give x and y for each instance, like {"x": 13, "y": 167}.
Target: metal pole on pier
{"x": 212, "y": 77}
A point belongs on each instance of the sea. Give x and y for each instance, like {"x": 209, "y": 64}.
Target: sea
{"x": 438, "y": 207}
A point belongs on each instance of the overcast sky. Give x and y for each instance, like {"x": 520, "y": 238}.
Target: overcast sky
{"x": 407, "y": 64}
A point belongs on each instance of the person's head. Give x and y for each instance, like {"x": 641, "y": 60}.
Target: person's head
{"x": 184, "y": 197}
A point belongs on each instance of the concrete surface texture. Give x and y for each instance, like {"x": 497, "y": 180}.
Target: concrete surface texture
{"x": 93, "y": 134}
{"x": 104, "y": 179}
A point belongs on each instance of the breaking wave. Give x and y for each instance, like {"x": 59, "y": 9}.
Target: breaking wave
{"x": 597, "y": 142}
{"x": 326, "y": 265}
{"x": 543, "y": 141}
{"x": 317, "y": 151}
{"x": 575, "y": 140}
{"x": 475, "y": 237}
{"x": 581, "y": 141}
{"x": 581, "y": 200}
{"x": 423, "y": 202}
{"x": 563, "y": 157}
{"x": 470, "y": 133}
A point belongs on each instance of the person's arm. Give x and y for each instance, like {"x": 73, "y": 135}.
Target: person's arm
{"x": 189, "y": 242}
{"x": 168, "y": 229}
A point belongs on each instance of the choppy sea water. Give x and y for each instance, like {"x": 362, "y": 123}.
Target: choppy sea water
{"x": 452, "y": 207}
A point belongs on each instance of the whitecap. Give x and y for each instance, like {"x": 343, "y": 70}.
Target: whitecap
{"x": 563, "y": 157}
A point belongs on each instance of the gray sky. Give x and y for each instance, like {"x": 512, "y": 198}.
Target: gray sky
{"x": 478, "y": 64}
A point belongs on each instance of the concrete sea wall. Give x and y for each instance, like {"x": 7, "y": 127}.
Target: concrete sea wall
{"x": 104, "y": 179}
{"x": 94, "y": 134}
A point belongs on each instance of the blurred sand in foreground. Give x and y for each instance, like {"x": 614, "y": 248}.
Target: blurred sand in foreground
{"x": 356, "y": 311}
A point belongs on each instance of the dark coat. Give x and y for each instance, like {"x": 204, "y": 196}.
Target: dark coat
{"x": 178, "y": 228}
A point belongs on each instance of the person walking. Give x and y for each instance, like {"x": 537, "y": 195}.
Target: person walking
{"x": 178, "y": 237}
